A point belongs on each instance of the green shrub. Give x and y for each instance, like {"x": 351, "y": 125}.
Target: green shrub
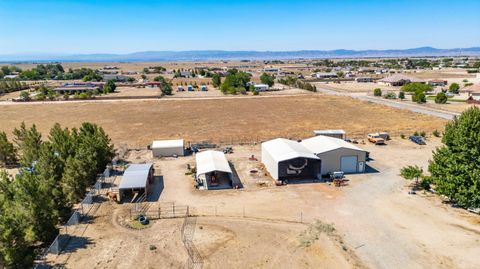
{"x": 423, "y": 134}
{"x": 416, "y": 86}
{"x": 419, "y": 97}
{"x": 402, "y": 136}
{"x": 377, "y": 92}
{"x": 401, "y": 95}
{"x": 436, "y": 133}
{"x": 454, "y": 88}
{"x": 441, "y": 98}
{"x": 390, "y": 95}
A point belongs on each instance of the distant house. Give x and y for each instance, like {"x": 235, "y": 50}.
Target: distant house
{"x": 399, "y": 80}
{"x": 117, "y": 78}
{"x": 260, "y": 87}
{"x": 473, "y": 94}
{"x": 185, "y": 74}
{"x": 363, "y": 79}
{"x": 78, "y": 88}
{"x": 438, "y": 82}
{"x": 271, "y": 70}
{"x": 325, "y": 75}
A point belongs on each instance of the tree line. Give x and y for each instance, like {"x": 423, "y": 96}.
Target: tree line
{"x": 51, "y": 71}
{"x": 53, "y": 176}
{"x": 294, "y": 82}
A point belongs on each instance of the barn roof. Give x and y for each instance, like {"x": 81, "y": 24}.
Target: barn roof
{"x": 282, "y": 149}
{"x": 400, "y": 77}
{"x": 135, "y": 176}
{"x": 210, "y": 160}
{"x": 321, "y": 144}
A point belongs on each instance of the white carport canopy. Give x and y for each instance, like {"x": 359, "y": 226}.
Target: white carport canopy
{"x": 135, "y": 176}
{"x": 210, "y": 161}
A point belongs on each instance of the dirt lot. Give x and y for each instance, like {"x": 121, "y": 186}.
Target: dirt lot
{"x": 376, "y": 221}
{"x": 355, "y": 87}
{"x": 228, "y": 119}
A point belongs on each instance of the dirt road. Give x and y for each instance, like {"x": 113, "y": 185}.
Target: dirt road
{"x": 448, "y": 115}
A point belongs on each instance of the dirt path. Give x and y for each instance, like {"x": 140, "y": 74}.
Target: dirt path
{"x": 401, "y": 105}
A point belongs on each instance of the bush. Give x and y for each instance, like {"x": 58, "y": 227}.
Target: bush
{"x": 416, "y": 86}
{"x": 419, "y": 97}
{"x": 401, "y": 95}
{"x": 402, "y": 136}
{"x": 377, "y": 92}
{"x": 441, "y": 98}
{"x": 454, "y": 88}
{"x": 436, "y": 133}
{"x": 423, "y": 134}
{"x": 390, "y": 95}
{"x": 255, "y": 92}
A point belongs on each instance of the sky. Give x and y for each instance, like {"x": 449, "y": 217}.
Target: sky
{"x": 120, "y": 26}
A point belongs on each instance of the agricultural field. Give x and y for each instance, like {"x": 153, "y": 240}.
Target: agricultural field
{"x": 137, "y": 123}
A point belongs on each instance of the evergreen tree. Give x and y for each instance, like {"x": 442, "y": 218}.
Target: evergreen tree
{"x": 7, "y": 150}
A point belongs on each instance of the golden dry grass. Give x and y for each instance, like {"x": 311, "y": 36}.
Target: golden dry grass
{"x": 140, "y": 122}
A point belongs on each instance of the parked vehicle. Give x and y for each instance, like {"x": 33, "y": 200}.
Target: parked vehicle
{"x": 417, "y": 140}
{"x": 376, "y": 139}
{"x": 384, "y": 135}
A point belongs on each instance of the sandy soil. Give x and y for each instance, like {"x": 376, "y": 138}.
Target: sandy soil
{"x": 376, "y": 221}
{"x": 355, "y": 87}
{"x": 236, "y": 119}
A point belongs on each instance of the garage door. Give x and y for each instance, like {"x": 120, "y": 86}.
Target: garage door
{"x": 348, "y": 164}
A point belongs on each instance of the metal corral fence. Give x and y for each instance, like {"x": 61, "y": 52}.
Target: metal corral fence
{"x": 194, "y": 260}
{"x": 85, "y": 210}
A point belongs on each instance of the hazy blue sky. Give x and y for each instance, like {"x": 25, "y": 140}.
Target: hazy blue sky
{"x": 127, "y": 26}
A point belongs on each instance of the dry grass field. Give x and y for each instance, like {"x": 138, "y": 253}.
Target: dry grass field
{"x": 225, "y": 119}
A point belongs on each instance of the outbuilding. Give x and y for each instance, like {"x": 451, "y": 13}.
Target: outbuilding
{"x": 213, "y": 170}
{"x": 336, "y": 154}
{"x": 168, "y": 148}
{"x": 136, "y": 179}
{"x": 289, "y": 160}
{"x": 340, "y": 134}
{"x": 260, "y": 87}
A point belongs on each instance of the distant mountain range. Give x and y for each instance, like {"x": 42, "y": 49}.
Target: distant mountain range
{"x": 204, "y": 55}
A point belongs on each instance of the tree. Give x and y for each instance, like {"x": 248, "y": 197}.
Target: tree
{"x": 25, "y": 96}
{"x": 216, "y": 80}
{"x": 235, "y": 82}
{"x": 412, "y": 172}
{"x": 267, "y": 79}
{"x": 377, "y": 92}
{"x": 416, "y": 86}
{"x": 7, "y": 150}
{"x": 441, "y": 98}
{"x": 401, "y": 95}
{"x": 28, "y": 143}
{"x": 419, "y": 97}
{"x": 454, "y": 88}
{"x": 109, "y": 87}
{"x": 455, "y": 168}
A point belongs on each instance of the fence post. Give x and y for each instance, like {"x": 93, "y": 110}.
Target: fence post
{"x": 173, "y": 206}
{"x": 301, "y": 217}
{"x": 244, "y": 211}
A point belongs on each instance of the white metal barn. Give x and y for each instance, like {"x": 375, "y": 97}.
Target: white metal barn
{"x": 289, "y": 160}
{"x": 336, "y": 154}
{"x": 166, "y": 148}
{"x": 213, "y": 170}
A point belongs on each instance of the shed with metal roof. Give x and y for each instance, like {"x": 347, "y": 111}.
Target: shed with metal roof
{"x": 136, "y": 179}
{"x": 336, "y": 154}
{"x": 213, "y": 170}
{"x": 289, "y": 160}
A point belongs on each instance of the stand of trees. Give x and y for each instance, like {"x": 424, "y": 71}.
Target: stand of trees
{"x": 53, "y": 175}
{"x": 56, "y": 72}
{"x": 7, "y": 86}
{"x": 455, "y": 167}
{"x": 235, "y": 82}
{"x": 267, "y": 79}
{"x": 294, "y": 82}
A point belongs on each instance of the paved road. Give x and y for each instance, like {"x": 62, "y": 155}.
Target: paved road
{"x": 396, "y": 104}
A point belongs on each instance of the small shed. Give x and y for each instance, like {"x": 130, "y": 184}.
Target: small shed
{"x": 168, "y": 148}
{"x": 340, "y": 134}
{"x": 136, "y": 179}
{"x": 289, "y": 160}
{"x": 260, "y": 87}
{"x": 336, "y": 154}
{"x": 213, "y": 170}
